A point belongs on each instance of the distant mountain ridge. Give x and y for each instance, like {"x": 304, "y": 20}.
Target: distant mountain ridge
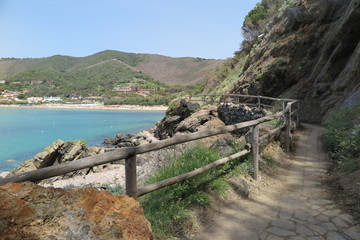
{"x": 167, "y": 70}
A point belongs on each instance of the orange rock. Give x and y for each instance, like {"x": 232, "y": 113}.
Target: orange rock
{"x": 29, "y": 211}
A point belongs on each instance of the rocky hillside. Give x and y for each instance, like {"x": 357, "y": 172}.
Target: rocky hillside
{"x": 305, "y": 49}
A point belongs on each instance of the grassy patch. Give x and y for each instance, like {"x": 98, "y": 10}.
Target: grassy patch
{"x": 168, "y": 209}
{"x": 342, "y": 138}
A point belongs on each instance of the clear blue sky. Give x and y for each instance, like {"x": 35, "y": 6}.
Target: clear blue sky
{"x": 176, "y": 28}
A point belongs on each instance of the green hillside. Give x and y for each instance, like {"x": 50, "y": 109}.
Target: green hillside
{"x": 97, "y": 74}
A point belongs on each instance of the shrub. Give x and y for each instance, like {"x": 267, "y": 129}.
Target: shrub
{"x": 168, "y": 209}
{"x": 342, "y": 138}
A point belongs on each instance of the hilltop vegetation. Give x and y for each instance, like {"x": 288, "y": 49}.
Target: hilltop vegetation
{"x": 99, "y": 73}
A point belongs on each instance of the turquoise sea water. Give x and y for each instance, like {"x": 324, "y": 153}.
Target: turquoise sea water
{"x": 27, "y": 131}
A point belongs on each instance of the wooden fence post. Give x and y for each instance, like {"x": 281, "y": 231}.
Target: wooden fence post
{"x": 130, "y": 176}
{"x": 288, "y": 128}
{"x": 298, "y": 114}
{"x": 259, "y": 102}
{"x": 255, "y": 150}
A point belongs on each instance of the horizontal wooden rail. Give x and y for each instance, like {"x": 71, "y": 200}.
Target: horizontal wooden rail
{"x": 170, "y": 181}
{"x": 272, "y": 132}
{"x": 124, "y": 153}
{"x": 247, "y": 96}
{"x": 130, "y": 153}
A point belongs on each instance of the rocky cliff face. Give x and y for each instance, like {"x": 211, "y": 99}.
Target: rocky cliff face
{"x": 311, "y": 53}
{"x": 29, "y": 211}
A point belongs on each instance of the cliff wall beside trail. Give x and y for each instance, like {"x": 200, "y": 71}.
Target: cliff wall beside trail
{"x": 311, "y": 52}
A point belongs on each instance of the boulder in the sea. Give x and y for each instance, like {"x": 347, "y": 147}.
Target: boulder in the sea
{"x": 29, "y": 211}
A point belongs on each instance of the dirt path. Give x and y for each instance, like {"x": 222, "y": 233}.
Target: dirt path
{"x": 299, "y": 208}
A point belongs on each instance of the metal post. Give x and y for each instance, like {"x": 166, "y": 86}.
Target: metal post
{"x": 255, "y": 150}
{"x": 130, "y": 176}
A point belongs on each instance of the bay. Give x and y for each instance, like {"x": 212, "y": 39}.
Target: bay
{"x": 27, "y": 131}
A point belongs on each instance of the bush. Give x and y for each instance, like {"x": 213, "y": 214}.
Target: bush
{"x": 342, "y": 138}
{"x": 168, "y": 209}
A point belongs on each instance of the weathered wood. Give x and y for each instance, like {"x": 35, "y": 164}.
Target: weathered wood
{"x": 270, "y": 133}
{"x": 124, "y": 153}
{"x": 170, "y": 181}
{"x": 298, "y": 114}
{"x": 251, "y": 96}
{"x": 288, "y": 127}
{"x": 258, "y": 102}
{"x": 255, "y": 150}
{"x": 130, "y": 176}
{"x": 263, "y": 105}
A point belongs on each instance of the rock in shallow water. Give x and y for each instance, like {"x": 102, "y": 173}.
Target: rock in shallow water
{"x": 29, "y": 211}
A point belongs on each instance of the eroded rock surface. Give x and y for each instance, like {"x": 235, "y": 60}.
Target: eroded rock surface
{"x": 61, "y": 152}
{"x": 29, "y": 211}
{"x": 311, "y": 53}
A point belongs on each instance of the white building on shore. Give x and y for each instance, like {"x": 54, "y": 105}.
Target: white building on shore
{"x": 52, "y": 99}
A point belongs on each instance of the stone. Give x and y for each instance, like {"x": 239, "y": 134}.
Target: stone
{"x": 297, "y": 238}
{"x": 29, "y": 211}
{"x": 316, "y": 238}
{"x": 285, "y": 213}
{"x": 280, "y": 232}
{"x": 4, "y": 174}
{"x": 273, "y": 237}
{"x": 332, "y": 212}
{"x": 48, "y": 155}
{"x": 109, "y": 142}
{"x": 353, "y": 232}
{"x": 334, "y": 236}
{"x": 346, "y": 217}
{"x": 319, "y": 201}
{"x": 241, "y": 186}
{"x": 328, "y": 225}
{"x": 316, "y": 228}
{"x": 304, "y": 231}
{"x": 283, "y": 224}
{"x": 312, "y": 220}
{"x": 300, "y": 215}
{"x": 339, "y": 222}
{"x": 26, "y": 166}
{"x": 322, "y": 218}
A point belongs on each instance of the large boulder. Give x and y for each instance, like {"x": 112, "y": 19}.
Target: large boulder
{"x": 231, "y": 113}
{"x": 176, "y": 113}
{"x": 29, "y": 211}
{"x": 57, "y": 153}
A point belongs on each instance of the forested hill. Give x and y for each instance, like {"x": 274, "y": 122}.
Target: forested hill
{"x": 99, "y": 72}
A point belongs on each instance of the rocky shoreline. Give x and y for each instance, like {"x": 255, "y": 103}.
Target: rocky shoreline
{"x": 182, "y": 118}
{"x": 89, "y": 106}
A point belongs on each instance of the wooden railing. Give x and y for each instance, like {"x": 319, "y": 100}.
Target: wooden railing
{"x": 129, "y": 153}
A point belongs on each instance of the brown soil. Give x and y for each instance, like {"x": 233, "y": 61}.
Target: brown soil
{"x": 346, "y": 190}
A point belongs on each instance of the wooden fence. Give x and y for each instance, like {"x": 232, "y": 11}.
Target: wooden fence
{"x": 129, "y": 153}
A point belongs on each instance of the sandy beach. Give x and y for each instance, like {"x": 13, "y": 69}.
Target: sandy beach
{"x": 90, "y": 106}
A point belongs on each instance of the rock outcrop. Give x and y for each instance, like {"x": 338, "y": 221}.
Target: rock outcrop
{"x": 131, "y": 140}
{"x": 231, "y": 113}
{"x": 311, "y": 53}
{"x": 29, "y": 211}
{"x": 60, "y": 152}
{"x": 174, "y": 116}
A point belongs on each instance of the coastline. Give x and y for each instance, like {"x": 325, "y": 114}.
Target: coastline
{"x": 90, "y": 106}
